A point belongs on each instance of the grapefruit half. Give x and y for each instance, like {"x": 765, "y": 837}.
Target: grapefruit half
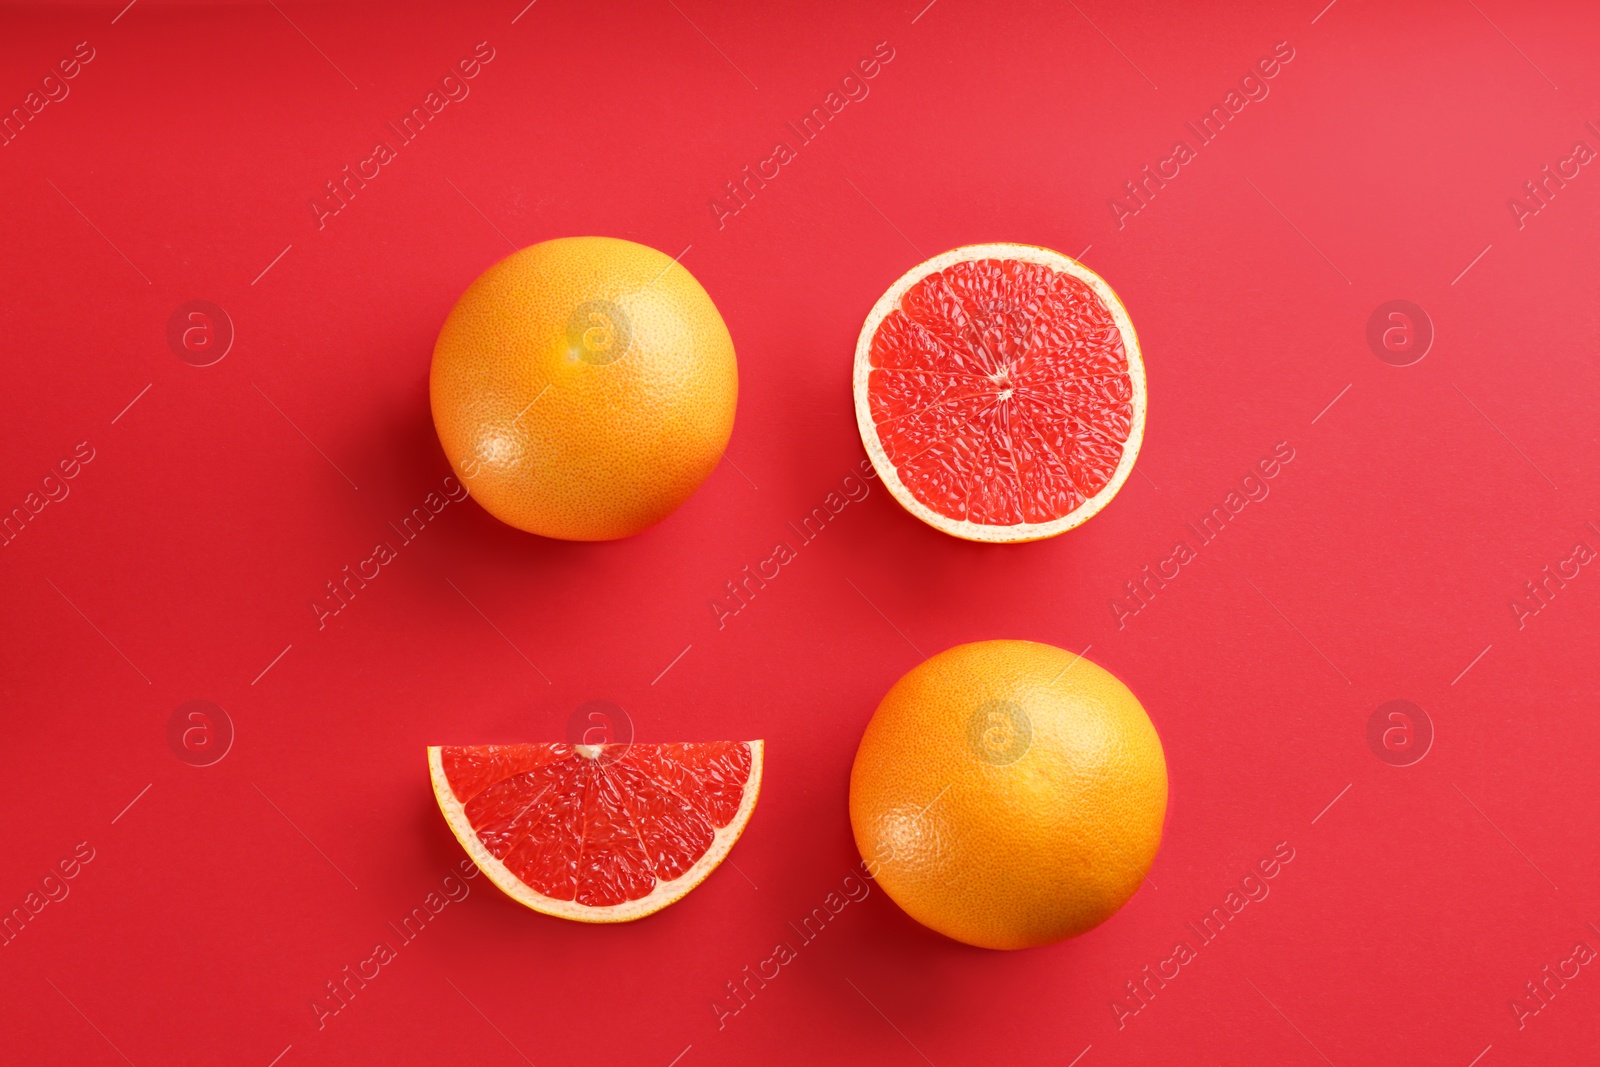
{"x": 1000, "y": 392}
{"x": 597, "y": 833}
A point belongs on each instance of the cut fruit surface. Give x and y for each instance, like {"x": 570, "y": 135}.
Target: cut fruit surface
{"x": 1000, "y": 392}
{"x": 597, "y": 833}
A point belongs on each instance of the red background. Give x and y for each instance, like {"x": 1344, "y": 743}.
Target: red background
{"x": 1384, "y": 560}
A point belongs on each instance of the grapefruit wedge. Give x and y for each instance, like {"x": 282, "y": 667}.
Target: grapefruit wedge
{"x": 597, "y": 833}
{"x": 1000, "y": 392}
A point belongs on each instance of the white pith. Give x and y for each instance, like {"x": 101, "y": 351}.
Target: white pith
{"x": 965, "y": 528}
{"x": 663, "y": 894}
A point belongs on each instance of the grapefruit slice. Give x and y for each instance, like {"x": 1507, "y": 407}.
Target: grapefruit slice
{"x": 597, "y": 833}
{"x": 1000, "y": 392}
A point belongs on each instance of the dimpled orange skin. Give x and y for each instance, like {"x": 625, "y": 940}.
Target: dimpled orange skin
{"x": 584, "y": 387}
{"x": 998, "y": 854}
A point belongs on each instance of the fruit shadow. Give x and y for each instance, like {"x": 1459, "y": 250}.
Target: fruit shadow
{"x": 437, "y": 845}
{"x": 924, "y": 981}
{"x": 928, "y": 576}
{"x": 404, "y": 442}
{"x": 873, "y": 955}
{"x": 440, "y": 851}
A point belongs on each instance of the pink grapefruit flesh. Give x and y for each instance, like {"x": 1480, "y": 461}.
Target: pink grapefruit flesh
{"x": 1000, "y": 392}
{"x": 597, "y": 833}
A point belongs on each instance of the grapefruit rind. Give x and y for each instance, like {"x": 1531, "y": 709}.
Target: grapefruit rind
{"x": 663, "y": 894}
{"x": 965, "y": 528}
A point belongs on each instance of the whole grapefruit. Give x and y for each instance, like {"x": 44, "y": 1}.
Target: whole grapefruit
{"x": 1009, "y": 794}
{"x": 584, "y": 387}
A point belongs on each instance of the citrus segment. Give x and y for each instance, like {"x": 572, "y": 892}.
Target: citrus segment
{"x": 1000, "y": 392}
{"x": 599, "y": 833}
